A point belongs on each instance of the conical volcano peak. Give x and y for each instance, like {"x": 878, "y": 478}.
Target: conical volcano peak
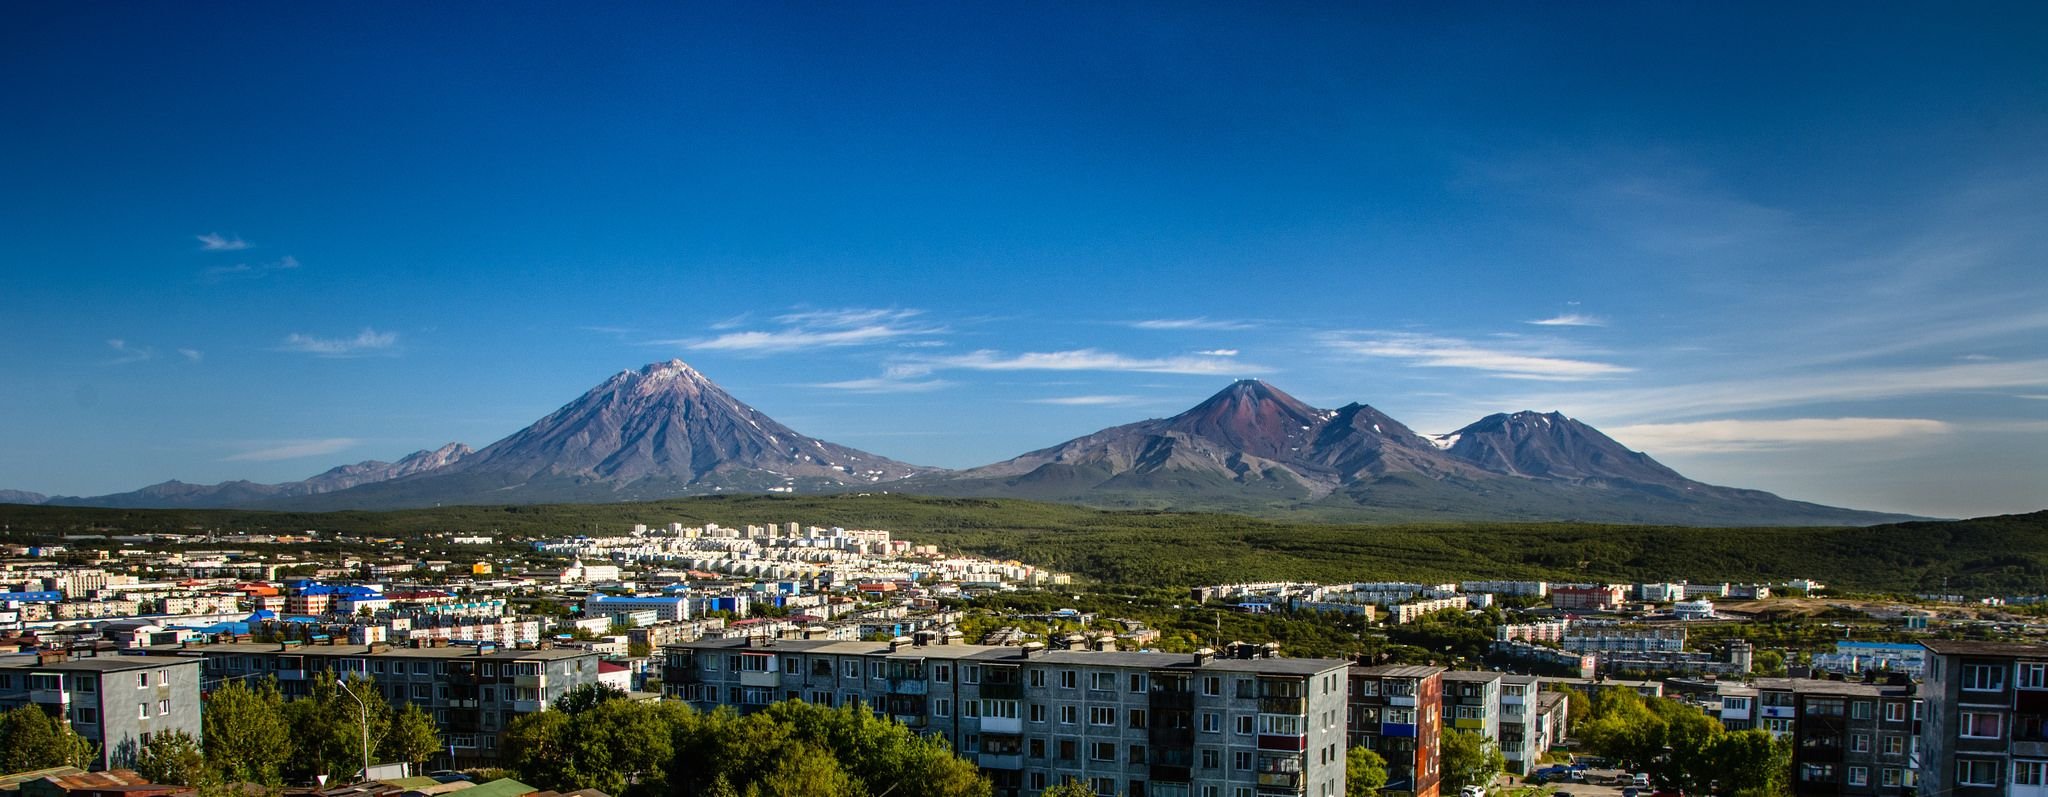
{"x": 1253, "y": 392}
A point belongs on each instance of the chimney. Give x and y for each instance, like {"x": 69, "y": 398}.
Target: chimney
{"x": 1028, "y": 648}
{"x": 1204, "y": 655}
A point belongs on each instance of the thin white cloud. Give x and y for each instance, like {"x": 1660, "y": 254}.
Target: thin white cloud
{"x": 251, "y": 270}
{"x": 1096, "y": 360}
{"x": 293, "y": 449}
{"x": 1569, "y": 320}
{"x": 1838, "y": 385}
{"x": 1730, "y": 436}
{"x": 367, "y": 342}
{"x": 899, "y": 378}
{"x": 1218, "y": 353}
{"x": 1432, "y": 351}
{"x": 216, "y": 242}
{"x": 1201, "y": 323}
{"x": 1087, "y": 401}
{"x": 817, "y": 329}
{"x": 193, "y": 355}
{"x": 126, "y": 353}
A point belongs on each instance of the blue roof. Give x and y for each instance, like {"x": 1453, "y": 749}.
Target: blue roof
{"x": 1899, "y": 647}
{"x": 259, "y": 616}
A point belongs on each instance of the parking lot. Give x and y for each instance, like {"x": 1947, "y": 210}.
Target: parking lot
{"x": 1598, "y": 783}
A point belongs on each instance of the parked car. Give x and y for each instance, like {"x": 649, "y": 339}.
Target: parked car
{"x": 1641, "y": 780}
{"x": 1631, "y": 791}
{"x": 1472, "y": 791}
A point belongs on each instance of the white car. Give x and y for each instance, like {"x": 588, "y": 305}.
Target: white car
{"x": 1472, "y": 791}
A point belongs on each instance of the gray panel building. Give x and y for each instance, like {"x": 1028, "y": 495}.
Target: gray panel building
{"x": 1136, "y": 724}
{"x": 117, "y": 702}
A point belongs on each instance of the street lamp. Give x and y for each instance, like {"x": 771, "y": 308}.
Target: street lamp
{"x": 365, "y": 709}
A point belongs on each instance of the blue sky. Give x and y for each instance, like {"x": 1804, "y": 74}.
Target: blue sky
{"x": 1792, "y": 249}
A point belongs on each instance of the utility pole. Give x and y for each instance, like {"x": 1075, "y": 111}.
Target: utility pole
{"x": 365, "y": 714}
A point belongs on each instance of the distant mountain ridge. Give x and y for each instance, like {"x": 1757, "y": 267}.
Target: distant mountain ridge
{"x": 1253, "y": 448}
{"x": 665, "y": 430}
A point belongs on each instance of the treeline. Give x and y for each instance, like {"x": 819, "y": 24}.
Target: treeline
{"x": 596, "y": 738}
{"x": 1998, "y": 555}
{"x": 1680, "y": 747}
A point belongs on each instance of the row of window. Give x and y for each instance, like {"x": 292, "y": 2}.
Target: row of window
{"x": 943, "y": 672}
{"x": 1991, "y": 677}
{"x": 1978, "y": 772}
{"x": 1857, "y": 776}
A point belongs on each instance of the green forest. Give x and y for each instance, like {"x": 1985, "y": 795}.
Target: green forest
{"x": 1998, "y": 555}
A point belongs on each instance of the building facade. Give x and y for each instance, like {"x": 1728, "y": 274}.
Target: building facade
{"x": 472, "y": 691}
{"x": 1986, "y": 726}
{"x": 1393, "y": 712}
{"x": 1135, "y": 724}
{"x": 1847, "y": 738}
{"x": 116, "y": 702}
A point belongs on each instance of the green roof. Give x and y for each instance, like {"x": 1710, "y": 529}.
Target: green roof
{"x": 502, "y": 787}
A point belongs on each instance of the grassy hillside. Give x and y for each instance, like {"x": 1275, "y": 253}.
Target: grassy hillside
{"x": 1999, "y": 555}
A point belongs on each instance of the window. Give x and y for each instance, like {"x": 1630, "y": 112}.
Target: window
{"x": 163, "y": 706}
{"x": 88, "y": 715}
{"x": 2032, "y": 676}
{"x": 1212, "y": 686}
{"x": 1137, "y": 754}
{"x": 942, "y": 707}
{"x": 1102, "y": 751}
{"x": 1212, "y": 722}
{"x": 1244, "y": 725}
{"x": 1368, "y": 687}
{"x": 1241, "y": 760}
{"x": 1138, "y": 718}
{"x": 2030, "y": 773}
{"x": 971, "y": 674}
{"x": 1069, "y": 715}
{"x": 1859, "y": 743}
{"x": 1894, "y": 745}
{"x": 1279, "y": 725}
{"x": 142, "y": 680}
{"x": 1137, "y": 683}
{"x": 1101, "y": 715}
{"x": 970, "y": 709}
{"x": 1068, "y": 749}
{"x": 1102, "y": 786}
{"x": 1037, "y": 748}
{"x": 1001, "y": 709}
{"x": 1894, "y": 712}
{"x": 943, "y": 673}
{"x": 1102, "y": 681}
{"x": 1981, "y": 725}
{"x": 142, "y": 710}
{"x": 1038, "y": 679}
{"x": 1859, "y": 776}
{"x": 1859, "y": 710}
{"x": 850, "y": 669}
{"x": 1983, "y": 677}
{"x": 1211, "y": 758}
{"x": 1067, "y": 679}
{"x": 1037, "y": 713}
{"x": 1890, "y": 777}
{"x": 1976, "y": 773}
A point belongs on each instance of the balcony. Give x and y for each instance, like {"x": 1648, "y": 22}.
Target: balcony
{"x": 1289, "y": 781}
{"x": 1002, "y": 725}
{"x": 1406, "y": 701}
{"x": 760, "y": 678}
{"x": 1002, "y": 691}
{"x": 534, "y": 681}
{"x": 49, "y": 697}
{"x": 1283, "y": 705}
{"x": 906, "y": 686}
{"x": 1778, "y": 712}
{"x": 1172, "y": 773}
{"x": 291, "y": 675}
{"x": 1269, "y": 741}
{"x": 1001, "y": 761}
{"x": 911, "y": 720}
{"x": 1165, "y": 700}
{"x": 529, "y": 706}
{"x": 2029, "y": 749}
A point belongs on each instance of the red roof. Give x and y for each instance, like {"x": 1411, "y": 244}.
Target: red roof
{"x": 605, "y": 667}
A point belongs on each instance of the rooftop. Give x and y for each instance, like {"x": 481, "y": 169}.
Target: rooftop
{"x": 1004, "y": 654}
{"x": 1964, "y": 647}
{"x": 361, "y": 651}
{"x": 1396, "y": 670}
{"x": 89, "y": 664}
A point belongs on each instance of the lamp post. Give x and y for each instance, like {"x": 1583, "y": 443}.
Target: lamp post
{"x": 365, "y": 714}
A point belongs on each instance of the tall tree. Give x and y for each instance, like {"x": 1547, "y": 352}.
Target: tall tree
{"x": 1365, "y": 773}
{"x": 1468, "y": 759}
{"x": 412, "y": 737}
{"x": 174, "y": 757}
{"x": 247, "y": 738}
{"x": 32, "y": 739}
{"x": 329, "y": 725}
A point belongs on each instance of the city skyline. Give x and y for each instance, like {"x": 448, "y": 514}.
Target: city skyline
{"x": 1786, "y": 249}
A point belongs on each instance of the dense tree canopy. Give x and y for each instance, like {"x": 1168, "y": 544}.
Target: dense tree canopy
{"x": 32, "y": 739}
{"x": 1683, "y": 748}
{"x": 1468, "y": 759}
{"x": 629, "y": 747}
{"x": 1365, "y": 773}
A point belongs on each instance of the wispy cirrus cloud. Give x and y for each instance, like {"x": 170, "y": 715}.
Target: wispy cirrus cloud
{"x": 1198, "y": 323}
{"x": 1434, "y": 351}
{"x": 1569, "y": 320}
{"x": 365, "y": 343}
{"x": 1737, "y": 436}
{"x": 1097, "y": 360}
{"x": 1218, "y": 352}
{"x": 1657, "y": 404}
{"x": 271, "y": 451}
{"x": 125, "y": 352}
{"x": 812, "y": 329}
{"x": 192, "y": 355}
{"x": 216, "y": 242}
{"x": 900, "y": 378}
{"x": 250, "y": 270}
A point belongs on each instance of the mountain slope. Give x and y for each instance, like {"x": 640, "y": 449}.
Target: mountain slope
{"x": 664, "y": 430}
{"x": 175, "y": 493}
{"x": 1253, "y": 448}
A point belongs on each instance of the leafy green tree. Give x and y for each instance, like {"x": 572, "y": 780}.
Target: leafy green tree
{"x": 247, "y": 738}
{"x": 1069, "y": 788}
{"x": 808, "y": 771}
{"x": 586, "y": 697}
{"x": 174, "y": 757}
{"x": 412, "y": 737}
{"x": 1752, "y": 763}
{"x": 1468, "y": 759}
{"x": 535, "y": 746}
{"x": 1365, "y": 773}
{"x": 32, "y": 739}
{"x": 328, "y": 726}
